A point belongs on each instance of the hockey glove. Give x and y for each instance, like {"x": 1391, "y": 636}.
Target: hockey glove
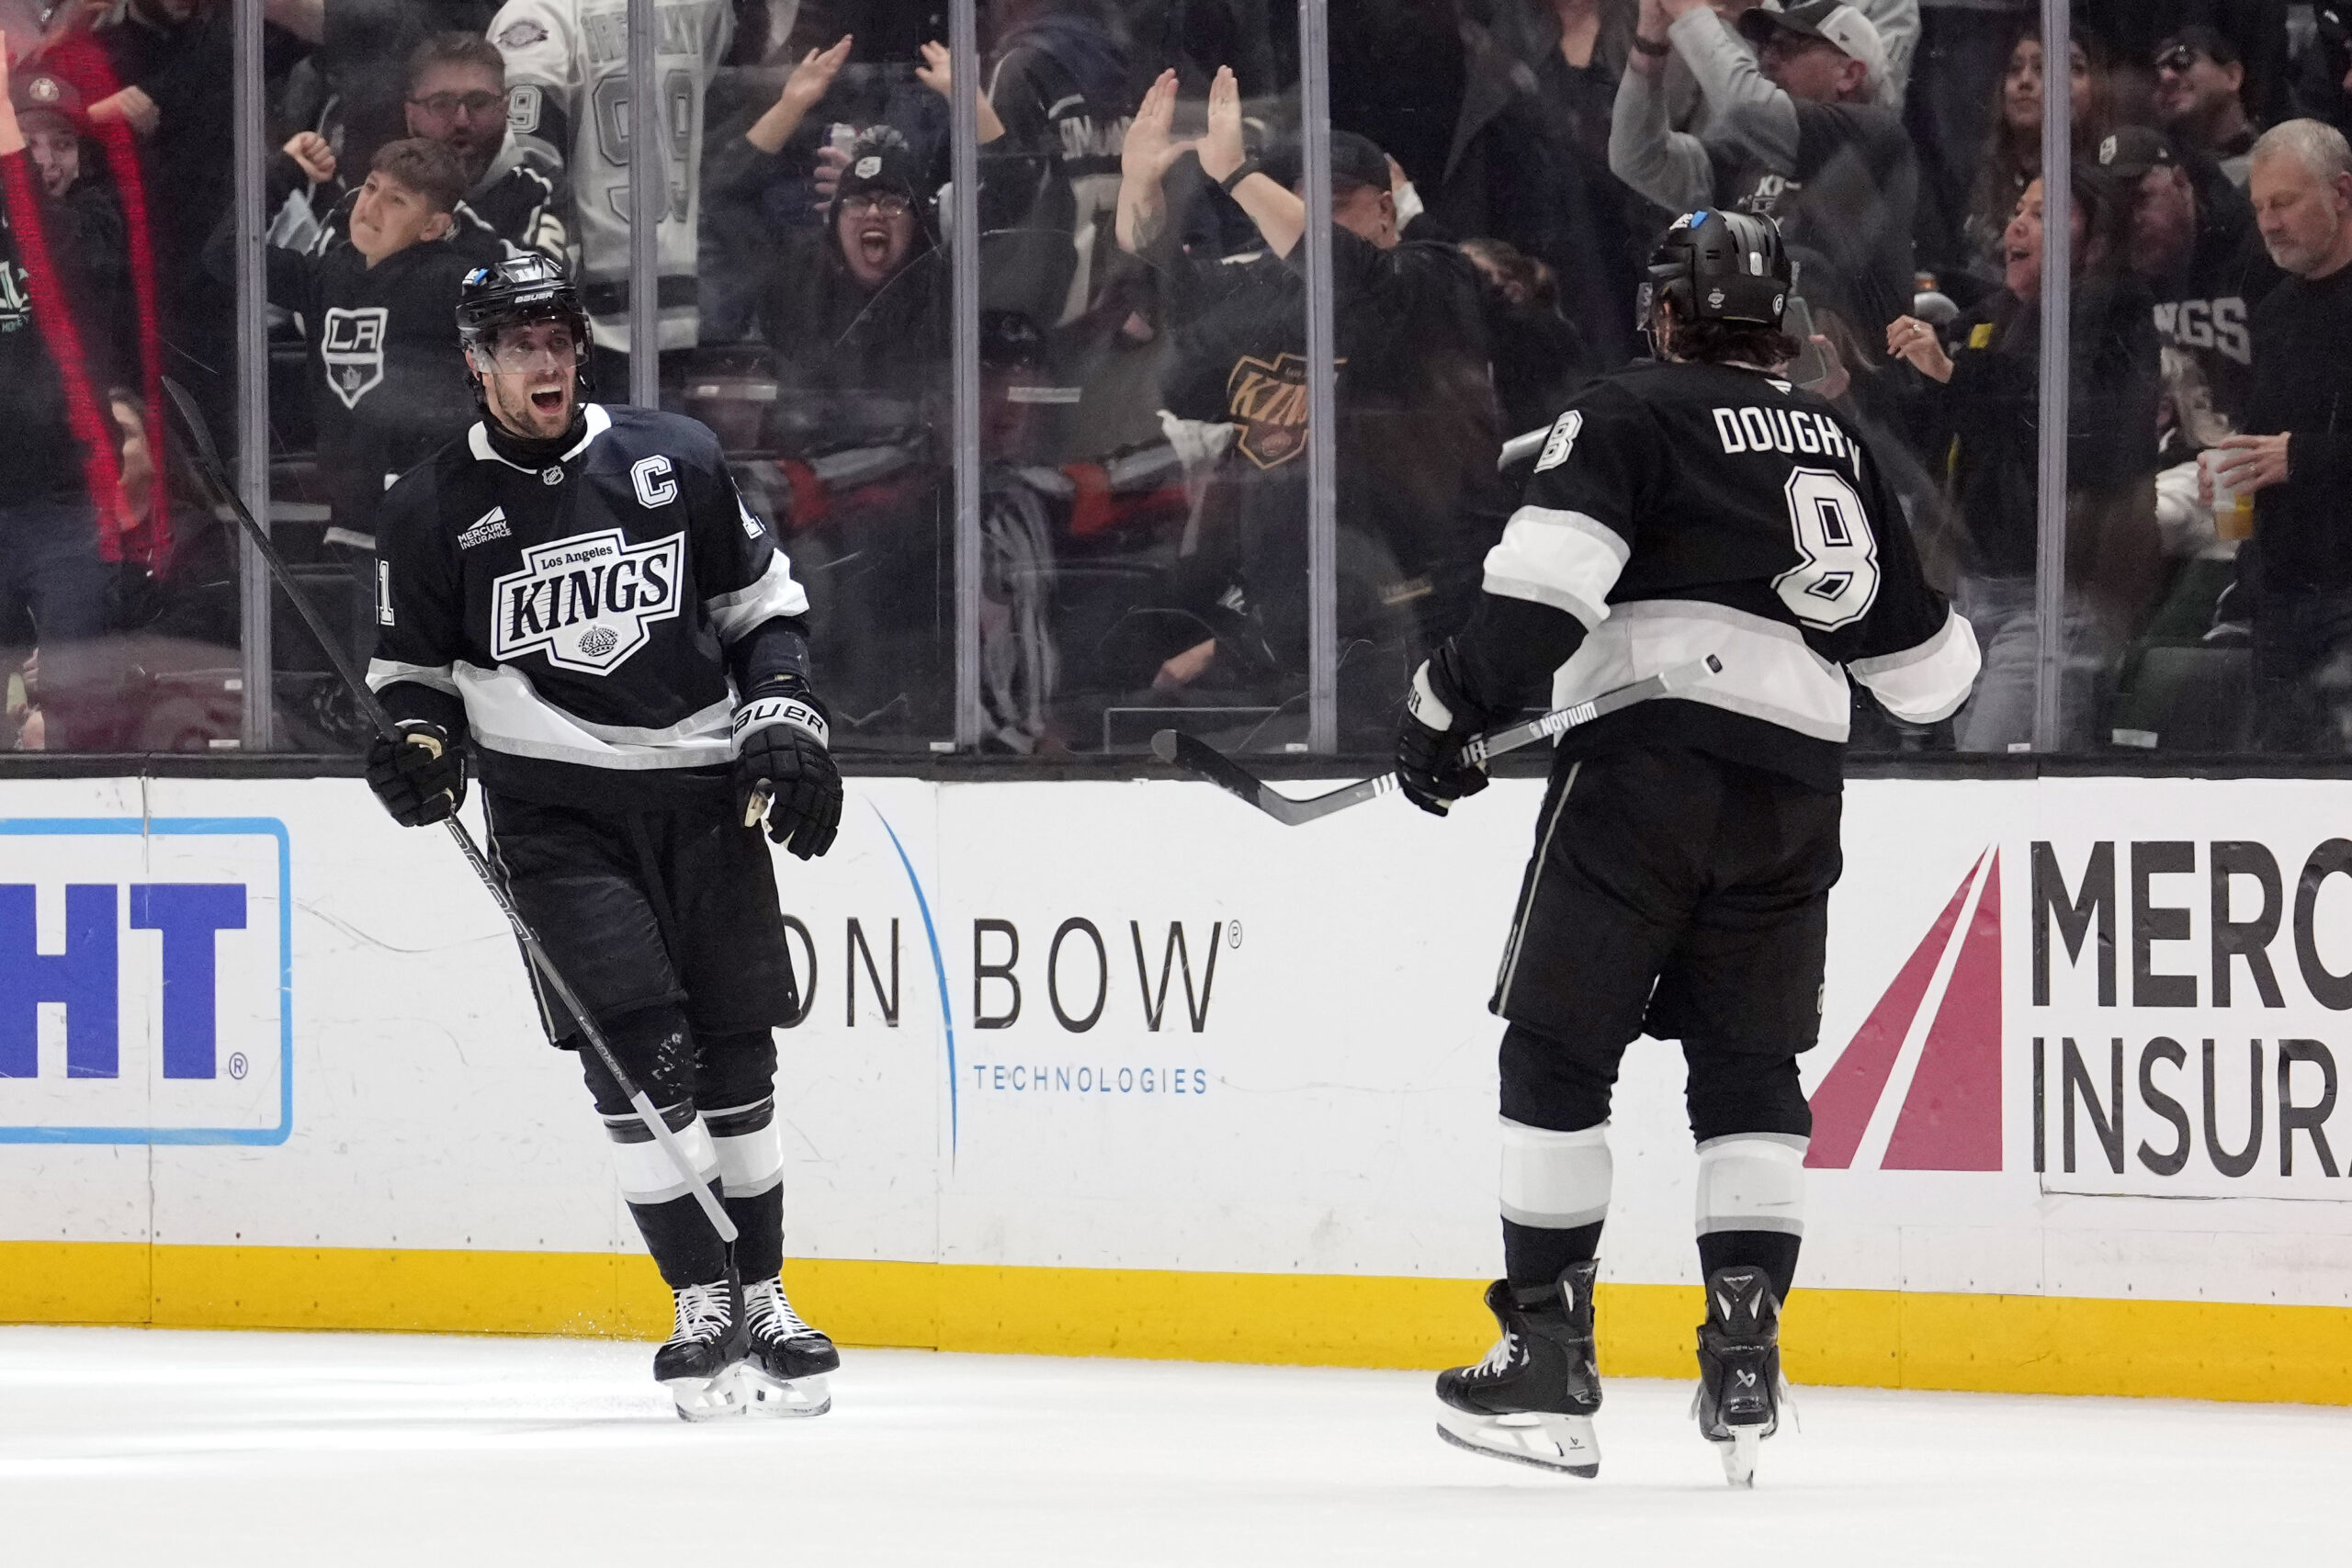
{"x": 421, "y": 777}
{"x": 783, "y": 772}
{"x": 1439, "y": 720}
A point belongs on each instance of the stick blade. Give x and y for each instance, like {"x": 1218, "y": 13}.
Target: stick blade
{"x": 1204, "y": 761}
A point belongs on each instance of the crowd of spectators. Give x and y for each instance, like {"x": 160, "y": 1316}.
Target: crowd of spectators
{"x": 1499, "y": 169}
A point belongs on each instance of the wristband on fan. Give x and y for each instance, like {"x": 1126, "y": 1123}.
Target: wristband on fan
{"x": 1248, "y": 166}
{"x": 793, "y": 711}
{"x": 1658, "y": 51}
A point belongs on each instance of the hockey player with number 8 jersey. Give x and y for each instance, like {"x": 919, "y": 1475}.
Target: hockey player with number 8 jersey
{"x": 1698, "y": 506}
{"x": 567, "y": 87}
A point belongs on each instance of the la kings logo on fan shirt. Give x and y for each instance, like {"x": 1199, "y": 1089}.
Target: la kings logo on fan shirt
{"x": 351, "y": 346}
{"x": 586, "y": 602}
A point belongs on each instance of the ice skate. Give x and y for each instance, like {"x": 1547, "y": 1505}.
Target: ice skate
{"x": 697, "y": 1363}
{"x": 1740, "y": 1390}
{"x": 784, "y": 1362}
{"x": 1533, "y": 1399}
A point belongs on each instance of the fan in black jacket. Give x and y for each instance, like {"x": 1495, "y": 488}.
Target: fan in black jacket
{"x": 1980, "y": 414}
{"x": 387, "y": 383}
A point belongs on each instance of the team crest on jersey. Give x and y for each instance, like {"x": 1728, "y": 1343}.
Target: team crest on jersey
{"x": 585, "y": 603}
{"x": 1268, "y": 400}
{"x": 1561, "y": 442}
{"x": 522, "y": 33}
{"x": 351, "y": 346}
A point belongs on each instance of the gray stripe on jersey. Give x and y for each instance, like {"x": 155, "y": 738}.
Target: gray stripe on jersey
{"x": 383, "y": 673}
{"x": 1929, "y": 682}
{"x": 1560, "y": 557}
{"x": 1768, "y": 671}
{"x": 747, "y": 609}
{"x": 1591, "y": 614}
{"x": 507, "y": 713}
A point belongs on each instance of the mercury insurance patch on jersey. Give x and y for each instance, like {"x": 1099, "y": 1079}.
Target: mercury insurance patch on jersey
{"x": 584, "y": 602}
{"x": 1561, "y": 442}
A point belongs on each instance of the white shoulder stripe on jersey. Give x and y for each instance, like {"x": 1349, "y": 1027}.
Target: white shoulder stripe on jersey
{"x": 745, "y": 610}
{"x": 1567, "y": 559}
{"x": 506, "y": 713}
{"x": 1768, "y": 673}
{"x": 1923, "y": 684}
{"x": 383, "y": 673}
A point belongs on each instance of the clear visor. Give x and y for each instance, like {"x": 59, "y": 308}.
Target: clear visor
{"x": 522, "y": 347}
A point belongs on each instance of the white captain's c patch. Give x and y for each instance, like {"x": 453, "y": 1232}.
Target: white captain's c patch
{"x": 1561, "y": 442}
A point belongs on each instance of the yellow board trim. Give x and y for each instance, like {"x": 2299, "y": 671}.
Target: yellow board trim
{"x": 1858, "y": 1338}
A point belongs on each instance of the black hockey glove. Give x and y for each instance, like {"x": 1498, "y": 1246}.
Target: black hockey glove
{"x": 782, "y": 769}
{"x": 1439, "y": 719}
{"x": 421, "y": 778}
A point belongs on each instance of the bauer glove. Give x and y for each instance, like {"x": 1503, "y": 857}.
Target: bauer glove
{"x": 421, "y": 777}
{"x": 783, "y": 772}
{"x": 1439, "y": 719}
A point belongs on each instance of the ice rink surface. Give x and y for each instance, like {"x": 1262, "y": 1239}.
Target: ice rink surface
{"x": 119, "y": 1446}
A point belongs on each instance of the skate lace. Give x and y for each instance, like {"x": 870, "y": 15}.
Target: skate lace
{"x": 1501, "y": 1358}
{"x": 767, "y": 1310}
{"x": 702, "y": 1314}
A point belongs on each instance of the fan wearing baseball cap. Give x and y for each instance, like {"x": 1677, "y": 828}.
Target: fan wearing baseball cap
{"x": 1812, "y": 144}
{"x": 2201, "y": 87}
{"x": 2193, "y": 244}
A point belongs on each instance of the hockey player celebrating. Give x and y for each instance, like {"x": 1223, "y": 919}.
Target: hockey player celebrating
{"x": 1696, "y": 505}
{"x": 574, "y": 596}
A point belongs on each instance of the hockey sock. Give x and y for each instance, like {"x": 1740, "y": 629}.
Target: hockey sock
{"x": 1751, "y": 1204}
{"x": 684, "y": 1246}
{"x": 751, "y": 1171}
{"x": 652, "y": 1044}
{"x": 1555, "y": 1198}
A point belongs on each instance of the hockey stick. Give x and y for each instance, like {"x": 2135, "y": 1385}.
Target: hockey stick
{"x": 1197, "y": 756}
{"x": 208, "y": 462}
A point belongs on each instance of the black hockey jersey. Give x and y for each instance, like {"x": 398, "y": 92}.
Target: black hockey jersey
{"x": 388, "y": 383}
{"x": 581, "y": 612}
{"x": 1680, "y": 510}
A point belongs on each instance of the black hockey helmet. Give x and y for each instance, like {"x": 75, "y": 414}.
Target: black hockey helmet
{"x": 1721, "y": 267}
{"x": 527, "y": 288}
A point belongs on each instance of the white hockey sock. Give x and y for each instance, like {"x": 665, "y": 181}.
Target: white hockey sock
{"x": 1555, "y": 1181}
{"x": 1752, "y": 1182}
{"x": 647, "y": 1174}
{"x": 750, "y": 1147}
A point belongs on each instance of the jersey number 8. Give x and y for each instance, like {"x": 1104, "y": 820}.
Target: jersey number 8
{"x": 1836, "y": 582}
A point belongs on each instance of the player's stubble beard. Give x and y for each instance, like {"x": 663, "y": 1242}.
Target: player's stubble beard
{"x": 511, "y": 403}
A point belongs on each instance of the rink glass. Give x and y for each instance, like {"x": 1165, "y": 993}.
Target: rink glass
{"x": 1136, "y": 565}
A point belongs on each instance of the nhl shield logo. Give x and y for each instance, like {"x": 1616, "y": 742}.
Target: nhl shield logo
{"x": 351, "y": 347}
{"x": 585, "y": 603}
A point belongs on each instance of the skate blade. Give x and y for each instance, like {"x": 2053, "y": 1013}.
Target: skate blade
{"x": 705, "y": 1399}
{"x": 1739, "y": 1456}
{"x": 1561, "y": 1443}
{"x": 786, "y": 1397}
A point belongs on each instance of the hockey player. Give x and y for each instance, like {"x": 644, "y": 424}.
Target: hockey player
{"x": 1696, "y": 505}
{"x": 574, "y": 597}
{"x": 567, "y": 89}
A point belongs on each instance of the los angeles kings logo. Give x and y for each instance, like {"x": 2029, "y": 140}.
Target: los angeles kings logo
{"x": 585, "y": 603}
